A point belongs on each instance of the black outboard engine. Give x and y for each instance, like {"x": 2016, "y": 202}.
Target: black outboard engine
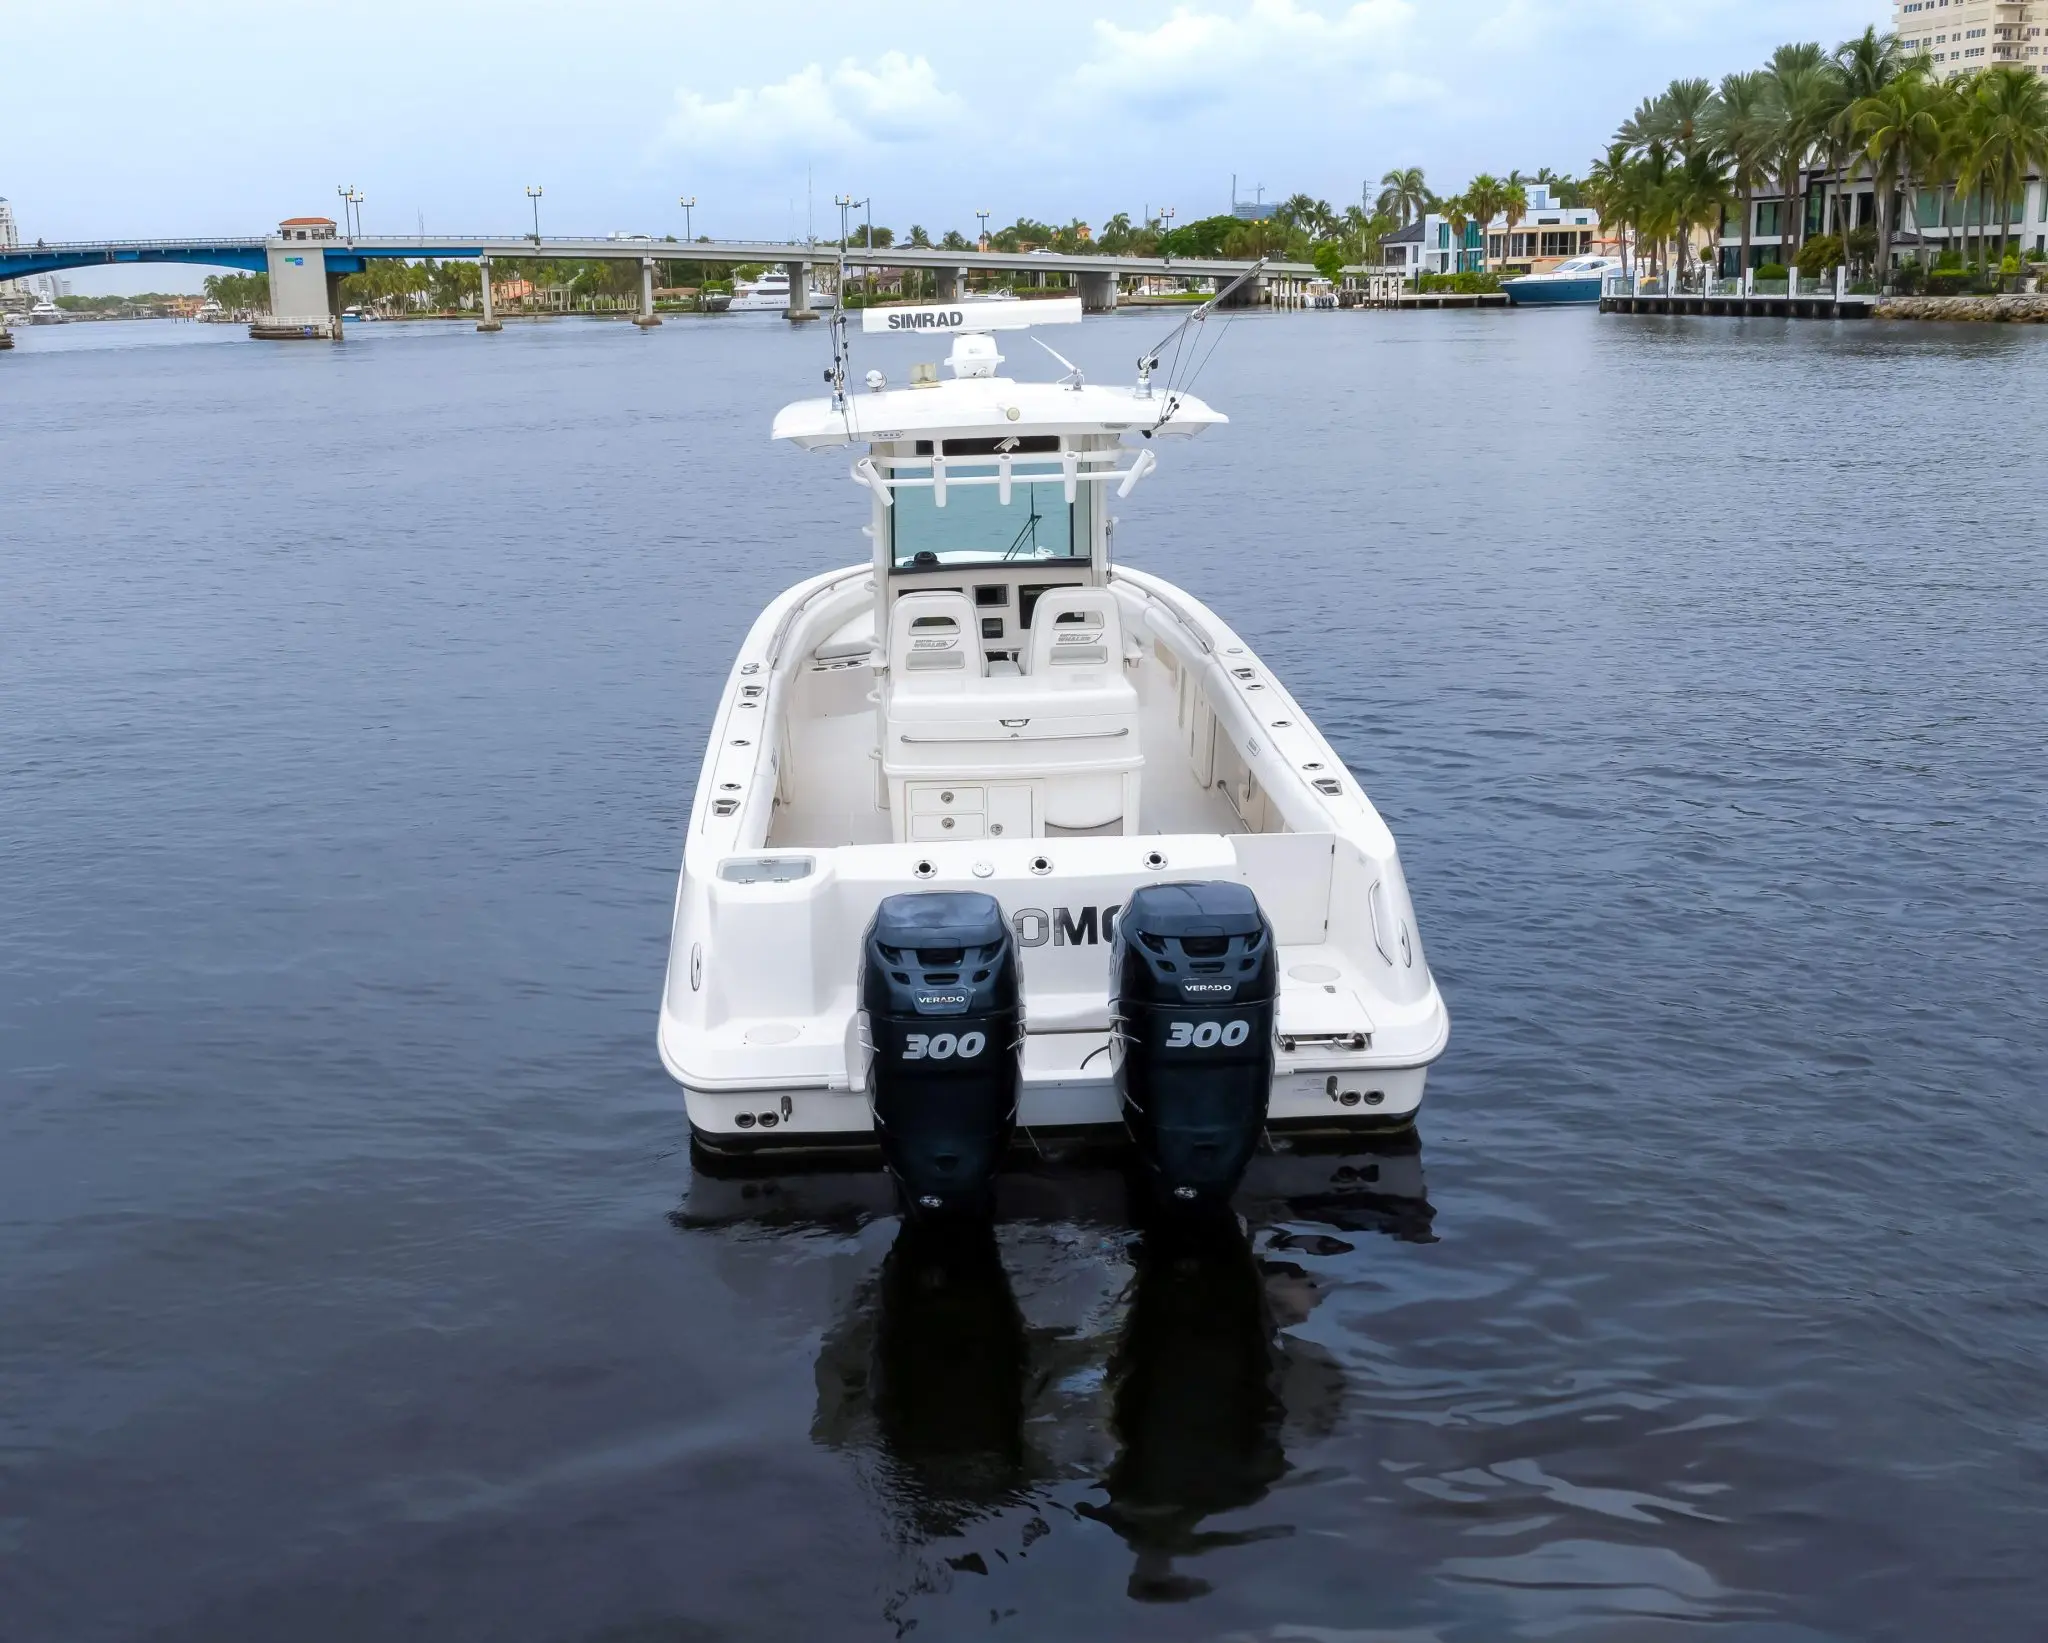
{"x": 1195, "y": 979}
{"x": 945, "y": 1017}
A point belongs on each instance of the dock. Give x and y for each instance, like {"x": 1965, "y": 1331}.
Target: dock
{"x": 1451, "y": 299}
{"x": 1734, "y": 304}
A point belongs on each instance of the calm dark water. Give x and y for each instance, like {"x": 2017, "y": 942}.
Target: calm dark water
{"x": 353, "y": 1282}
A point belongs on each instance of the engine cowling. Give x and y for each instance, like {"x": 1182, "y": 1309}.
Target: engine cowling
{"x": 940, "y": 991}
{"x": 1194, "y": 977}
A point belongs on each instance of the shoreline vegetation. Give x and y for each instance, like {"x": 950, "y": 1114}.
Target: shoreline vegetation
{"x": 1863, "y": 143}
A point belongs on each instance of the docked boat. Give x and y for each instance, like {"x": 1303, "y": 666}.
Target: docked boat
{"x": 43, "y": 311}
{"x": 997, "y": 840}
{"x": 1580, "y": 280}
{"x": 770, "y": 295}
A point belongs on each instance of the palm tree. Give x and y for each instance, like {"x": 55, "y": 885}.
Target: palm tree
{"x": 1455, "y": 214}
{"x": 1899, "y": 126}
{"x": 1682, "y": 117}
{"x": 1800, "y": 107}
{"x": 1654, "y": 202}
{"x": 1514, "y": 206}
{"x": 1641, "y": 128}
{"x": 1485, "y": 198}
{"x": 1610, "y": 187}
{"x": 1742, "y": 131}
{"x": 1858, "y": 70}
{"x": 1405, "y": 194}
{"x": 1962, "y": 159}
{"x": 2012, "y": 132}
{"x": 1699, "y": 188}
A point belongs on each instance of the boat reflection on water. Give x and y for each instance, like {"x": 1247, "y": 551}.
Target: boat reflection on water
{"x": 1196, "y": 1403}
{"x": 946, "y": 1375}
{"x": 1149, "y": 1377}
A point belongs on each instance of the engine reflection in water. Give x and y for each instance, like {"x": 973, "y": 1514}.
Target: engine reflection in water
{"x": 1197, "y": 1402}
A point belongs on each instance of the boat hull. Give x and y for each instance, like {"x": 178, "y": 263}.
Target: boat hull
{"x": 1542, "y": 293}
{"x": 760, "y": 1021}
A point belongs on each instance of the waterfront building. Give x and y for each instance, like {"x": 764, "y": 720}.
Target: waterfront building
{"x": 1926, "y": 221}
{"x": 1960, "y": 35}
{"x": 1548, "y": 233}
{"x": 1426, "y": 246}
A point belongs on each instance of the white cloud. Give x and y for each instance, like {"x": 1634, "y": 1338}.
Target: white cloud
{"x": 1196, "y": 58}
{"x": 894, "y": 99}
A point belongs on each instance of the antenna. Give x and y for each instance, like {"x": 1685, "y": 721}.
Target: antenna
{"x": 842, "y": 354}
{"x": 1073, "y": 379}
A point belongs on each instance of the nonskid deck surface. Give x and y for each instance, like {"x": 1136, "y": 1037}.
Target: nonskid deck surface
{"x": 832, "y": 761}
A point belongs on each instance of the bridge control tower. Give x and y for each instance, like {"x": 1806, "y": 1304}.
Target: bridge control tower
{"x": 304, "y": 291}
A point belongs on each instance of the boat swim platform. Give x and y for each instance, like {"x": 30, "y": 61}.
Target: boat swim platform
{"x": 1734, "y": 305}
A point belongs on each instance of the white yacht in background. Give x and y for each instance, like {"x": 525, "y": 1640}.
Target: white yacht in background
{"x": 770, "y": 295}
{"x": 1579, "y": 281}
{"x": 994, "y": 832}
{"x": 43, "y": 311}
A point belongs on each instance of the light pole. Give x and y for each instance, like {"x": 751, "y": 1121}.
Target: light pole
{"x": 984, "y": 216}
{"x": 689, "y": 203}
{"x": 1166, "y": 216}
{"x": 846, "y": 203}
{"x": 351, "y": 196}
{"x": 345, "y": 228}
{"x": 533, "y": 193}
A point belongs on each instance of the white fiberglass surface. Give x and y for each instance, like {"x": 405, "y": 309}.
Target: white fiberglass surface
{"x": 829, "y": 789}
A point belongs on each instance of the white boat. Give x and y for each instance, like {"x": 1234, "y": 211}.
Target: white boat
{"x": 992, "y": 830}
{"x": 770, "y": 295}
{"x": 43, "y": 311}
{"x": 1579, "y": 280}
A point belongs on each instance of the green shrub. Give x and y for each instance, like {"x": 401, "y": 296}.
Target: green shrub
{"x": 1819, "y": 254}
{"x": 1466, "y": 282}
{"x": 1773, "y": 271}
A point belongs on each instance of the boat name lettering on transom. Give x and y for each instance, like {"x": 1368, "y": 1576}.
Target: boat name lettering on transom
{"x": 1065, "y": 926}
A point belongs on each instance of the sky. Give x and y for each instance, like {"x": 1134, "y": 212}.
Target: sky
{"x": 130, "y": 119}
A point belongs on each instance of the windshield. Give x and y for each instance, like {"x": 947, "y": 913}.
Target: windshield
{"x": 975, "y": 528}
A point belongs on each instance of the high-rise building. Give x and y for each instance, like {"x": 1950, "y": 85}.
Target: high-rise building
{"x": 10, "y": 236}
{"x": 1961, "y": 35}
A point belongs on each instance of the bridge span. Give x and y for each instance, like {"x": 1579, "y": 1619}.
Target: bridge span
{"x": 306, "y": 266}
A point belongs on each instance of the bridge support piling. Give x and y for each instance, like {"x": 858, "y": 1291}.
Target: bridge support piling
{"x": 800, "y": 292}
{"x": 1248, "y": 295}
{"x": 1098, "y": 293}
{"x": 647, "y": 318}
{"x": 490, "y": 321}
{"x": 949, "y": 284}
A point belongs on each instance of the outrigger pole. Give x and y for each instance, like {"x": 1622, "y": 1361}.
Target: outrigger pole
{"x": 1148, "y": 362}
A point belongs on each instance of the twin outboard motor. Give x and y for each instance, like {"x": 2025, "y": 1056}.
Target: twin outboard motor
{"x": 945, "y": 1020}
{"x": 1195, "y": 978}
